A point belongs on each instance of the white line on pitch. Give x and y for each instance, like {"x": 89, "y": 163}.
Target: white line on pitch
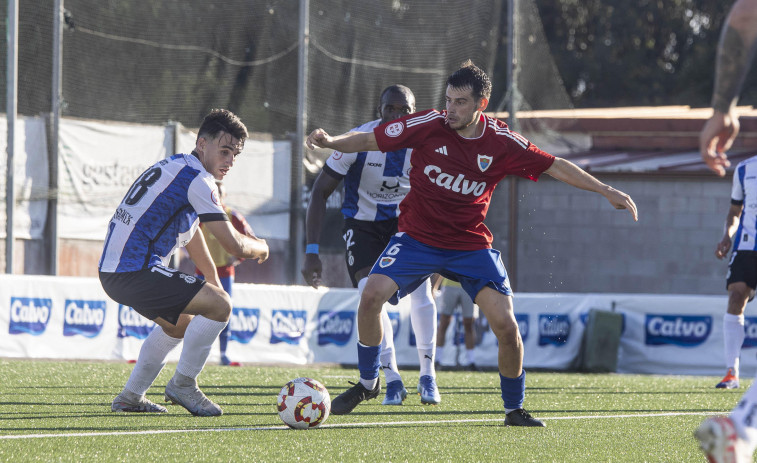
{"x": 339, "y": 425}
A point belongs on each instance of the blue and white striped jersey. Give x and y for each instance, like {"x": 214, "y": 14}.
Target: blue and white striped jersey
{"x": 159, "y": 213}
{"x": 744, "y": 192}
{"x": 374, "y": 182}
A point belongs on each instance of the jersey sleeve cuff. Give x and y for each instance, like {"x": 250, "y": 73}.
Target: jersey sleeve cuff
{"x": 213, "y": 217}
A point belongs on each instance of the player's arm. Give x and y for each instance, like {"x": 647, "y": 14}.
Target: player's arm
{"x": 735, "y": 53}
{"x": 731, "y": 224}
{"x": 565, "y": 171}
{"x": 350, "y": 142}
{"x": 323, "y": 187}
{"x": 237, "y": 244}
{"x": 200, "y": 255}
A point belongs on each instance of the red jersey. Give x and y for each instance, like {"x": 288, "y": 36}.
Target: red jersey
{"x": 452, "y": 178}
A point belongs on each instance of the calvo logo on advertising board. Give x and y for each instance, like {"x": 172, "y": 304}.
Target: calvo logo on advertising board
{"x": 335, "y": 327}
{"x": 243, "y": 324}
{"x": 554, "y": 329}
{"x": 29, "y": 315}
{"x": 84, "y": 318}
{"x": 678, "y": 330}
{"x": 133, "y": 325}
{"x": 287, "y": 326}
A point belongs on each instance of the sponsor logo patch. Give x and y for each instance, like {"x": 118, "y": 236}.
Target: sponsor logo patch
{"x": 394, "y": 129}
{"x": 386, "y": 261}
{"x": 335, "y": 327}
{"x": 678, "y": 330}
{"x": 522, "y": 320}
{"x": 484, "y": 162}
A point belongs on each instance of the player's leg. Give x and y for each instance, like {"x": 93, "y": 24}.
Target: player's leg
{"x": 423, "y": 319}
{"x": 212, "y": 308}
{"x": 741, "y": 281}
{"x": 223, "y": 338}
{"x": 498, "y": 309}
{"x": 446, "y": 309}
{"x": 469, "y": 331}
{"x": 378, "y": 290}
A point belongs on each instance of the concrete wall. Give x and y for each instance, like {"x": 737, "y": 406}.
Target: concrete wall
{"x": 570, "y": 240}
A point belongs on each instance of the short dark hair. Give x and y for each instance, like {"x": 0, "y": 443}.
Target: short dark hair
{"x": 397, "y": 88}
{"x": 470, "y": 75}
{"x": 222, "y": 120}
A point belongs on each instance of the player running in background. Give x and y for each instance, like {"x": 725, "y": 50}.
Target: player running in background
{"x": 225, "y": 262}
{"x": 459, "y": 156}
{"x": 453, "y": 296}
{"x": 732, "y": 438}
{"x": 159, "y": 213}
{"x": 375, "y": 182}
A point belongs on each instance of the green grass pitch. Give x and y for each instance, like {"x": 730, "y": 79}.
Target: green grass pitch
{"x": 60, "y": 411}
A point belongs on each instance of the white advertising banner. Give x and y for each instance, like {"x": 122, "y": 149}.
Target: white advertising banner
{"x": 96, "y": 165}
{"x": 31, "y": 176}
{"x": 72, "y": 318}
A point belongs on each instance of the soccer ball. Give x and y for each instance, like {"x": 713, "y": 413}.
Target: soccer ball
{"x": 304, "y": 403}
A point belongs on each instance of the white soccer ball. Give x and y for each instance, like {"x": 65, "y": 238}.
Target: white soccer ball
{"x": 304, "y": 403}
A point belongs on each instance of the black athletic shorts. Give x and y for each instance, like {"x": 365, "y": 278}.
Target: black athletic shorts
{"x": 365, "y": 241}
{"x": 743, "y": 268}
{"x": 158, "y": 291}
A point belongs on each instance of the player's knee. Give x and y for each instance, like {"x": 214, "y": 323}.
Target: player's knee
{"x": 506, "y": 331}
{"x": 371, "y": 300}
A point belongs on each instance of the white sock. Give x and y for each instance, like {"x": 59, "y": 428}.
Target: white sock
{"x": 387, "y": 357}
{"x": 369, "y": 384}
{"x": 423, "y": 318}
{"x": 470, "y": 354}
{"x": 744, "y": 416}
{"x": 199, "y": 337}
{"x": 151, "y": 360}
{"x": 733, "y": 338}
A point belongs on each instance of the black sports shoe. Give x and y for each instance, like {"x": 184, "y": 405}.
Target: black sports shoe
{"x": 349, "y": 399}
{"x": 521, "y": 417}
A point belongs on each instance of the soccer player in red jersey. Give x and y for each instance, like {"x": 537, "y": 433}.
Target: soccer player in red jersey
{"x": 459, "y": 156}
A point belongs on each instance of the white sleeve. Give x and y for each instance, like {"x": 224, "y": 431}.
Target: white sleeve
{"x": 737, "y": 190}
{"x": 203, "y": 196}
{"x": 341, "y": 162}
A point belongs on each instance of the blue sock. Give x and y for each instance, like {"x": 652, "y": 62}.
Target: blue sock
{"x": 223, "y": 339}
{"x": 368, "y": 361}
{"x": 513, "y": 391}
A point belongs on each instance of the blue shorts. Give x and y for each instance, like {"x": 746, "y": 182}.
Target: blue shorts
{"x": 409, "y": 262}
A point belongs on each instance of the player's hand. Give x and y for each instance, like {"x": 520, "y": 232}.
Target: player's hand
{"x": 264, "y": 251}
{"x": 620, "y": 200}
{"x": 318, "y": 138}
{"x": 716, "y": 138}
{"x": 723, "y": 247}
{"x": 311, "y": 270}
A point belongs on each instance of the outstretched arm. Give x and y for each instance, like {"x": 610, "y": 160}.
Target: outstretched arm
{"x": 350, "y": 142}
{"x": 567, "y": 172}
{"x": 237, "y": 244}
{"x": 734, "y": 56}
{"x": 731, "y": 224}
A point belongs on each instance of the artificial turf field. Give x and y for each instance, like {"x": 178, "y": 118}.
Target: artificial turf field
{"x": 60, "y": 411}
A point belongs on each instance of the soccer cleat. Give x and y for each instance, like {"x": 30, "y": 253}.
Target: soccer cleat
{"x": 225, "y": 361}
{"x": 130, "y": 402}
{"x": 720, "y": 443}
{"x": 472, "y": 367}
{"x": 349, "y": 399}
{"x": 191, "y": 398}
{"x": 395, "y": 393}
{"x": 730, "y": 381}
{"x": 428, "y": 390}
{"x": 521, "y": 417}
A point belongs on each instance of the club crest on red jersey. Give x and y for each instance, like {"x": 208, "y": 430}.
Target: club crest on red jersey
{"x": 386, "y": 261}
{"x": 394, "y": 129}
{"x": 484, "y": 162}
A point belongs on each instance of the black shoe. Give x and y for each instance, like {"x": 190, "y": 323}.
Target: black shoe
{"x": 521, "y": 417}
{"x": 472, "y": 367}
{"x": 349, "y": 399}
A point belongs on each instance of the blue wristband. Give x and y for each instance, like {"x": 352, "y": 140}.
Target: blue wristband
{"x": 311, "y": 249}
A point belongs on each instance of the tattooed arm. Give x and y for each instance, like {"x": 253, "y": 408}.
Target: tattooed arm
{"x": 734, "y": 56}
